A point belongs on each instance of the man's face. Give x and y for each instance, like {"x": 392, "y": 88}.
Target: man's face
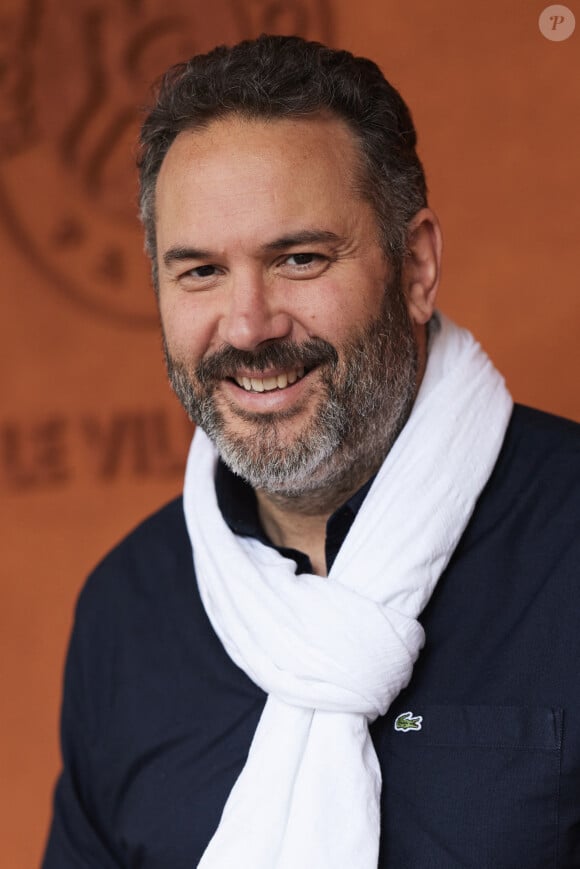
{"x": 286, "y": 334}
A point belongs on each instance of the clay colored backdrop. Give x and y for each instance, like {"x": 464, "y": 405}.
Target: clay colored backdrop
{"x": 91, "y": 439}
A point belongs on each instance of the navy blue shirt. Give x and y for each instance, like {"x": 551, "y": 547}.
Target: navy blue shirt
{"x": 157, "y": 720}
{"x": 239, "y": 507}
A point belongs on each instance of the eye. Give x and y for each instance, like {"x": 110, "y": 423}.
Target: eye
{"x": 304, "y": 264}
{"x": 303, "y": 259}
{"x": 206, "y": 271}
{"x": 202, "y": 277}
{"x": 198, "y": 278}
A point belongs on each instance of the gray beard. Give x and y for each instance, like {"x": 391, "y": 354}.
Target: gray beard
{"x": 367, "y": 396}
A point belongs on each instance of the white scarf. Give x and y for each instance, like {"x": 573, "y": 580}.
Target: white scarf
{"x": 332, "y": 654}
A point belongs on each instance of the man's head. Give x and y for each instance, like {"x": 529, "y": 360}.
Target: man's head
{"x": 291, "y": 295}
{"x": 276, "y": 77}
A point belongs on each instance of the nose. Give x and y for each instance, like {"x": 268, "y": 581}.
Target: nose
{"x": 254, "y": 313}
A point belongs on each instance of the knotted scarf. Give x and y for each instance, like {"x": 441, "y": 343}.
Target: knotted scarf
{"x": 332, "y": 653}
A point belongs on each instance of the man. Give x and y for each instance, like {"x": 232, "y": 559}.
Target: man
{"x": 359, "y": 487}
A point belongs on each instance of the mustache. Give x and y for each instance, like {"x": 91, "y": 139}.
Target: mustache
{"x": 227, "y": 361}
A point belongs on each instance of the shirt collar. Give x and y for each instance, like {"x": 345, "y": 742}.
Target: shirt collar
{"x": 239, "y": 507}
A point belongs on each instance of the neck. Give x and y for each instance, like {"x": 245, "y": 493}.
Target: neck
{"x": 299, "y": 522}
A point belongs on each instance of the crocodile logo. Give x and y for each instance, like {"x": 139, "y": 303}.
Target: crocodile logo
{"x": 407, "y": 721}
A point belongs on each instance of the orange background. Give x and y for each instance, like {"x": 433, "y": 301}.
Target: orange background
{"x": 91, "y": 439}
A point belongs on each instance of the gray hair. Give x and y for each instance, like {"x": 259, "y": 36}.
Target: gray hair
{"x": 285, "y": 76}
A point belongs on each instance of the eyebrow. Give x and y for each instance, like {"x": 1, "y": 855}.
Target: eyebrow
{"x": 306, "y": 236}
{"x": 179, "y": 253}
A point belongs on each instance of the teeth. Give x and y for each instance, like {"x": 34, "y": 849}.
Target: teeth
{"x": 267, "y": 384}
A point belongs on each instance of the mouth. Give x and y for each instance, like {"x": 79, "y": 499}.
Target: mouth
{"x": 258, "y": 382}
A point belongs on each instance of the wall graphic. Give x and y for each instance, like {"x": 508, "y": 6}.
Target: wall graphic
{"x": 77, "y": 73}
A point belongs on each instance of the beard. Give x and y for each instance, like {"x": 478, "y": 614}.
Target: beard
{"x": 368, "y": 386}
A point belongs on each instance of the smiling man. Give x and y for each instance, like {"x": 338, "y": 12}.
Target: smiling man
{"x": 287, "y": 335}
{"x": 244, "y": 685}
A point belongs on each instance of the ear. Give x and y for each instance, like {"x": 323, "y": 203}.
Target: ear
{"x": 422, "y": 265}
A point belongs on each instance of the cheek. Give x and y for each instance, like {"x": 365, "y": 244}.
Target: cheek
{"x": 353, "y": 301}
{"x": 341, "y": 319}
{"x": 188, "y": 332}
{"x": 332, "y": 310}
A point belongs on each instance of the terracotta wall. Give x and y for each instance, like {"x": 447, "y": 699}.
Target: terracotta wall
{"x": 90, "y": 437}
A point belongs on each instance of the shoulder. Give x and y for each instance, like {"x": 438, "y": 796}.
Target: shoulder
{"x": 533, "y": 493}
{"x": 152, "y": 542}
{"x": 140, "y": 568}
{"x": 540, "y": 446}
{"x": 536, "y": 428}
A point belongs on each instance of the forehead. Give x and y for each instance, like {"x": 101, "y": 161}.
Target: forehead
{"x": 322, "y": 136}
{"x": 293, "y": 167}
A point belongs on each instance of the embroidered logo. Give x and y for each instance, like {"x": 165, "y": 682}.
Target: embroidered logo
{"x": 407, "y": 721}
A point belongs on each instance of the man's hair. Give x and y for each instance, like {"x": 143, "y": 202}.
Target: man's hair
{"x": 275, "y": 77}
